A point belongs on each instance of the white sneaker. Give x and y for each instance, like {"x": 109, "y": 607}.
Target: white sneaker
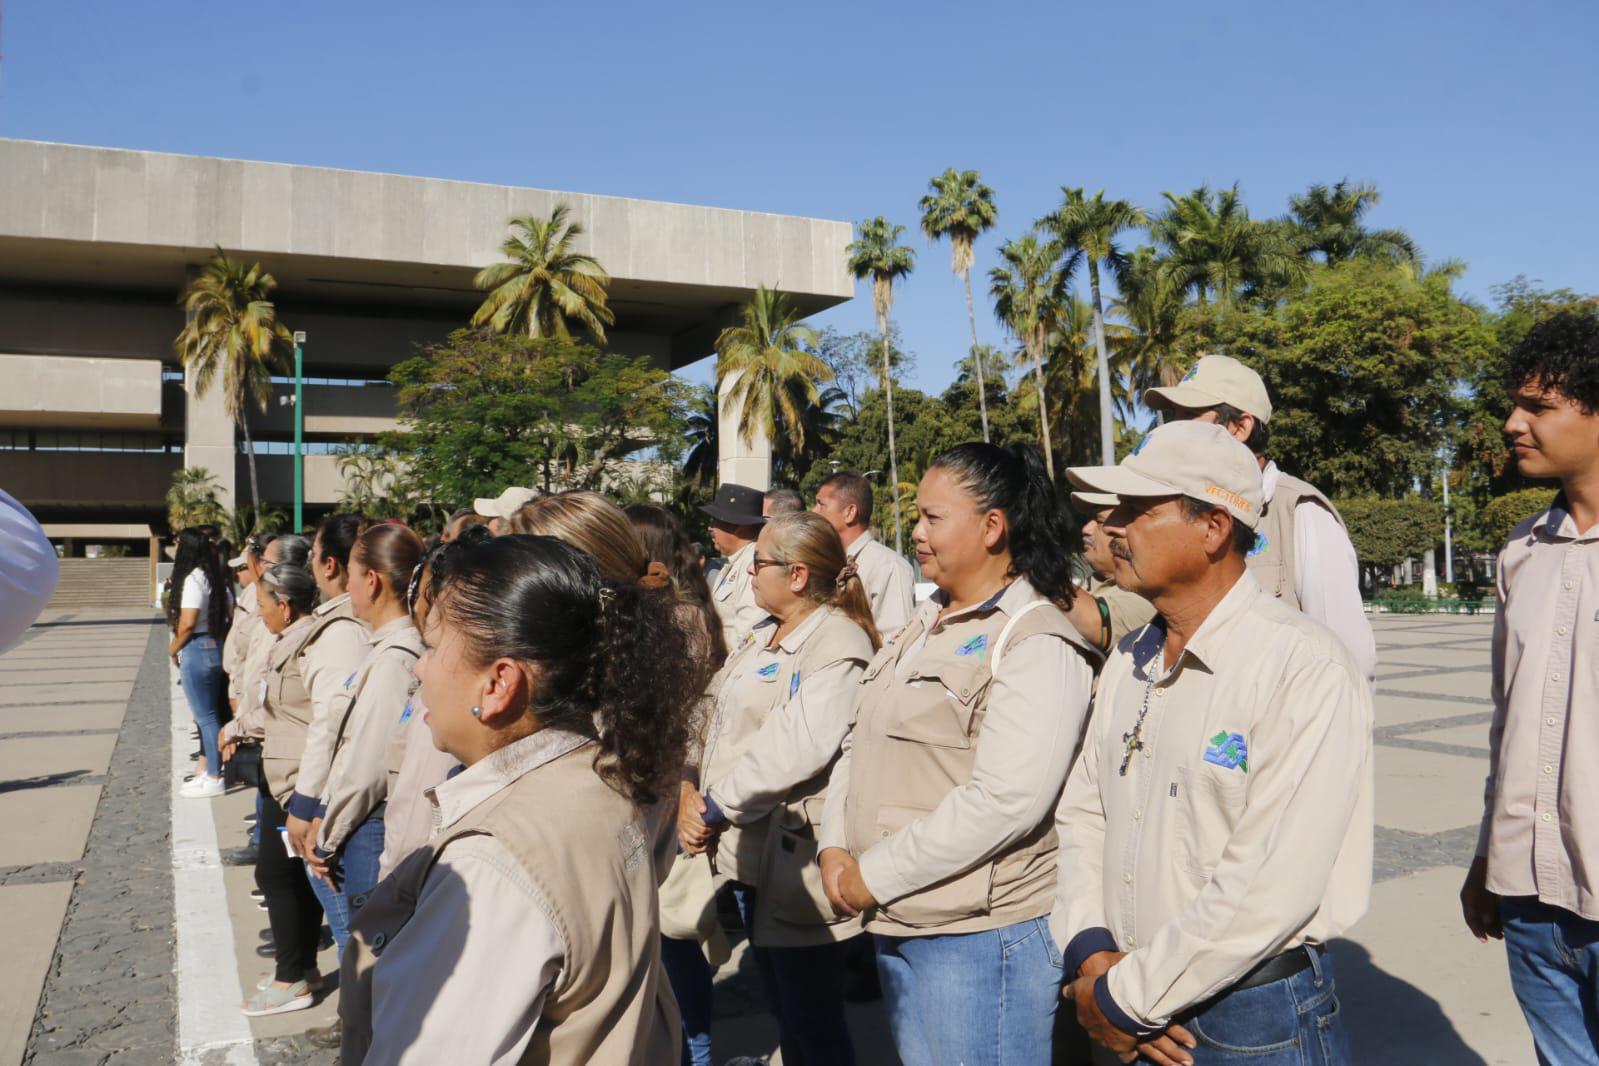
{"x": 204, "y": 787}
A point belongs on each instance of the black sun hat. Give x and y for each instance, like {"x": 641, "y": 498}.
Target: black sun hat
{"x": 737, "y": 505}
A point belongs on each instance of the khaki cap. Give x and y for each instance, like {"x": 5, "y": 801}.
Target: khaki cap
{"x": 1215, "y": 379}
{"x": 1194, "y": 459}
{"x": 1094, "y": 501}
{"x": 505, "y": 504}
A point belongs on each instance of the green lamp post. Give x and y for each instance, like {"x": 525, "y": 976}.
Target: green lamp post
{"x": 299, "y": 433}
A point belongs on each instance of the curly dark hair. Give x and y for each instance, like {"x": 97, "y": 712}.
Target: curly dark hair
{"x": 197, "y": 551}
{"x": 613, "y": 663}
{"x": 1560, "y": 352}
{"x": 1014, "y": 480}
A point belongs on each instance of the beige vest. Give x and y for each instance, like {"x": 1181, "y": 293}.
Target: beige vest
{"x": 915, "y": 741}
{"x": 778, "y": 853}
{"x": 584, "y": 847}
{"x": 1272, "y": 560}
{"x": 288, "y": 701}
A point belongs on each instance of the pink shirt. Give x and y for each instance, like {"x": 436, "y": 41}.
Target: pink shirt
{"x": 1540, "y": 826}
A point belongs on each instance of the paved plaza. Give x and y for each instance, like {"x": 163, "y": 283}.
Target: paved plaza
{"x": 130, "y": 935}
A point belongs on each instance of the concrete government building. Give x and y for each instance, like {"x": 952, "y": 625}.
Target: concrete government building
{"x": 96, "y": 244}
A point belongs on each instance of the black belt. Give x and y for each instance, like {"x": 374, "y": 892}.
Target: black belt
{"x": 1276, "y": 968}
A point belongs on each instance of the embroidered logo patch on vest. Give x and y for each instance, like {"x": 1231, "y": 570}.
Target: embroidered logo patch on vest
{"x": 633, "y": 846}
{"x": 767, "y": 672}
{"x": 1260, "y": 545}
{"x": 350, "y": 680}
{"x": 405, "y": 715}
{"x": 1229, "y": 751}
{"x": 976, "y": 646}
{"x": 793, "y": 684}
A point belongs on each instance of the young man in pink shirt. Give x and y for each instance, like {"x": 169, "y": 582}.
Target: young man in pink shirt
{"x": 1535, "y": 880}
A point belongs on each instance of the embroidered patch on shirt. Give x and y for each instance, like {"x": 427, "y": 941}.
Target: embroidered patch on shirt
{"x": 793, "y": 684}
{"x": 350, "y": 680}
{"x": 976, "y": 646}
{"x": 1228, "y": 750}
{"x": 633, "y": 846}
{"x": 767, "y": 672}
{"x": 405, "y": 715}
{"x": 749, "y": 638}
{"x": 1260, "y": 545}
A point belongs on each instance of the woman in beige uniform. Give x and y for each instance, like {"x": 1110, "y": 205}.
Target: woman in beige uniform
{"x": 939, "y": 826}
{"x": 350, "y": 837}
{"x": 525, "y": 931}
{"x": 784, "y": 703}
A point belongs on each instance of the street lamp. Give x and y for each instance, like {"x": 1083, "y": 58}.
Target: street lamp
{"x": 299, "y": 433}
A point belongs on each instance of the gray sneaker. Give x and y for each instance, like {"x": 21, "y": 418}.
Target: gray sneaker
{"x": 275, "y": 1000}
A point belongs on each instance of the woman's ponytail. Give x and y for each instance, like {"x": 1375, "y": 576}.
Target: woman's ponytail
{"x": 849, "y": 596}
{"x": 807, "y": 539}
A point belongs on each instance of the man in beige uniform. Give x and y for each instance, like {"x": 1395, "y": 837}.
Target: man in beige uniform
{"x": 736, "y": 521}
{"x": 1107, "y": 613}
{"x": 845, "y": 500}
{"x": 1302, "y": 553}
{"x": 1216, "y": 830}
{"x": 246, "y": 629}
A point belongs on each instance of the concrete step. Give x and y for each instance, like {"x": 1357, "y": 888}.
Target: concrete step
{"x": 102, "y": 583}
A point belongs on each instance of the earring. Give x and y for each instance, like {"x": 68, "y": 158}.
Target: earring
{"x": 477, "y": 712}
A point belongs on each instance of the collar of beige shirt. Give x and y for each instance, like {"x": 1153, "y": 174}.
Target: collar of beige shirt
{"x": 454, "y": 798}
{"x": 796, "y": 638}
{"x": 855, "y": 549}
{"x": 1558, "y": 524}
{"x": 391, "y": 629}
{"x": 1006, "y": 598}
{"x": 1208, "y": 645}
{"x": 332, "y": 605}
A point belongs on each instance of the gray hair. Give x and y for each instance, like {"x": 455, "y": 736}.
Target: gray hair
{"x": 293, "y": 550}
{"x": 291, "y": 584}
{"x": 784, "y": 501}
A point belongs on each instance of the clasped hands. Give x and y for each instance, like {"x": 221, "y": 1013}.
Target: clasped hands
{"x": 1164, "y": 1049}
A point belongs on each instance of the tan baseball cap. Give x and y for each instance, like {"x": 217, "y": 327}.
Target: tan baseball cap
{"x": 1195, "y": 459}
{"x": 505, "y": 504}
{"x": 1215, "y": 379}
{"x": 1094, "y": 501}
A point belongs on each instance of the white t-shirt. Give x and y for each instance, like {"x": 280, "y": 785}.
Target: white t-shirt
{"x": 197, "y": 594}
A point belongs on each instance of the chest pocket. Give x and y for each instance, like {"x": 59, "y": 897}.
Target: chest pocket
{"x": 937, "y": 705}
{"x": 1213, "y": 802}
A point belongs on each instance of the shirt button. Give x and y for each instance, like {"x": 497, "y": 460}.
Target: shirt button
{"x": 1549, "y": 721}
{"x": 1127, "y": 879}
{"x": 1548, "y": 769}
{"x": 1569, "y": 584}
{"x": 1132, "y": 941}
{"x": 1562, "y": 631}
{"x": 1160, "y": 692}
{"x": 379, "y": 940}
{"x": 1545, "y": 816}
{"x": 1138, "y": 815}
{"x": 1555, "y": 677}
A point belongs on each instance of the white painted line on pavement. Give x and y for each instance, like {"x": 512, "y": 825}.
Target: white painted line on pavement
{"x": 211, "y": 1028}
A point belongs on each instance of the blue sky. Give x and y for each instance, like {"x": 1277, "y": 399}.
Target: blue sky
{"x": 1476, "y": 120}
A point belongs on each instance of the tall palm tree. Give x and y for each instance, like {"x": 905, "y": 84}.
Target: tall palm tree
{"x": 544, "y": 282}
{"x": 1028, "y": 291}
{"x": 1329, "y": 220}
{"x": 702, "y": 424}
{"x": 233, "y": 330}
{"x": 192, "y": 499}
{"x": 1091, "y": 227}
{"x": 960, "y": 207}
{"x": 877, "y": 254}
{"x": 1149, "y": 307}
{"x": 1216, "y": 251}
{"x": 763, "y": 371}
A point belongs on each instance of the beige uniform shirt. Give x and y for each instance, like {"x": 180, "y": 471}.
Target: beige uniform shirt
{"x": 1540, "y": 825}
{"x": 889, "y": 581}
{"x": 734, "y": 597}
{"x": 330, "y": 663}
{"x": 250, "y": 718}
{"x": 415, "y": 766}
{"x": 1242, "y": 826}
{"x": 358, "y": 780}
{"x": 1128, "y": 610}
{"x": 246, "y": 629}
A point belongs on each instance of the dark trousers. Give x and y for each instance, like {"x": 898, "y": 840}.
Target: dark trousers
{"x": 292, "y": 908}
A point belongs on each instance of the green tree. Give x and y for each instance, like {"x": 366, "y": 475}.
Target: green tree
{"x": 1089, "y": 229}
{"x": 765, "y": 373}
{"x": 1386, "y": 532}
{"x": 544, "y": 282}
{"x": 1152, "y": 309}
{"x": 1504, "y": 513}
{"x": 856, "y": 360}
{"x": 480, "y": 412}
{"x": 1330, "y": 223}
{"x": 233, "y": 331}
{"x": 192, "y": 500}
{"x": 1217, "y": 252}
{"x": 702, "y": 433}
{"x": 244, "y": 521}
{"x": 1027, "y": 291}
{"x": 876, "y": 253}
{"x": 961, "y": 207}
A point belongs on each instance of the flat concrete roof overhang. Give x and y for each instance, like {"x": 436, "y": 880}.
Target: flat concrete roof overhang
{"x": 81, "y": 217}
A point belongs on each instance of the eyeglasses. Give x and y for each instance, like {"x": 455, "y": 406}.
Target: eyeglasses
{"x": 757, "y": 562}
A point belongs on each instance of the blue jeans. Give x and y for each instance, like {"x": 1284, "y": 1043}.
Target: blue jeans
{"x": 204, "y": 683}
{"x": 1293, "y": 1021}
{"x": 972, "y": 999}
{"x": 358, "y": 858}
{"x": 336, "y": 905}
{"x": 689, "y": 973}
{"x": 805, "y": 990}
{"x": 1554, "y": 968}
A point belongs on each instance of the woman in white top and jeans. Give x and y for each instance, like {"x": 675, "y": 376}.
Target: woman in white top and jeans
{"x": 197, "y": 611}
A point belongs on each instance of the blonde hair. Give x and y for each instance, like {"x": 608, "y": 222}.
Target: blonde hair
{"x": 810, "y": 540}
{"x": 590, "y": 522}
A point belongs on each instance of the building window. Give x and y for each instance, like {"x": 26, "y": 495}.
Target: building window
{"x": 68, "y": 440}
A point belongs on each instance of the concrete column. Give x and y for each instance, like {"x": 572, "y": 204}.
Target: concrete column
{"x": 208, "y": 437}
{"x": 735, "y": 462}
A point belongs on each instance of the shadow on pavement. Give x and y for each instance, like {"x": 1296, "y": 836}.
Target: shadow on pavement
{"x": 44, "y": 781}
{"x": 1392, "y": 1021}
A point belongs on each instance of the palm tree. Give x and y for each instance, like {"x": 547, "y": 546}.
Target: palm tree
{"x": 763, "y": 372}
{"x": 192, "y": 499}
{"x": 233, "y": 330}
{"x": 1329, "y": 223}
{"x": 960, "y": 207}
{"x": 1090, "y": 227}
{"x": 1215, "y": 250}
{"x": 699, "y": 465}
{"x": 544, "y": 282}
{"x": 877, "y": 254}
{"x": 1150, "y": 306}
{"x": 1027, "y": 293}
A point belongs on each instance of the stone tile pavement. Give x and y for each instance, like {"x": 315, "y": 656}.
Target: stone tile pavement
{"x": 86, "y": 864}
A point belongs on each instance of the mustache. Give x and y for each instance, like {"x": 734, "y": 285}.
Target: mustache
{"x": 1118, "y": 548}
